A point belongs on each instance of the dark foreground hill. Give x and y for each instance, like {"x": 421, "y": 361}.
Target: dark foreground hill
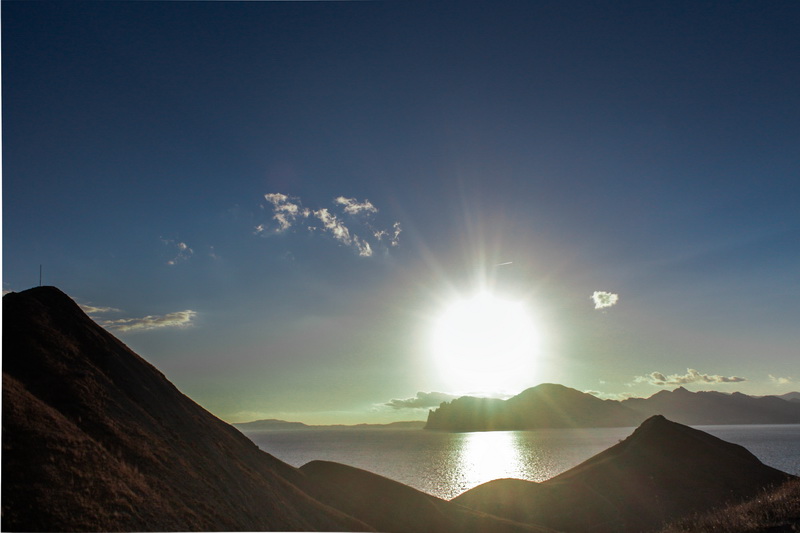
{"x": 554, "y": 406}
{"x": 96, "y": 439}
{"x": 663, "y": 471}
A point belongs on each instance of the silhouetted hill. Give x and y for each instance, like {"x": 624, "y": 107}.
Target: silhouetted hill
{"x": 95, "y": 438}
{"x": 701, "y": 408}
{"x": 545, "y": 406}
{"x": 663, "y": 471}
{"x": 385, "y": 503}
{"x": 553, "y": 406}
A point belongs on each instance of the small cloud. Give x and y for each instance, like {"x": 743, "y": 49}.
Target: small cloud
{"x": 183, "y": 251}
{"x": 780, "y": 380}
{"x": 395, "y": 240}
{"x": 354, "y": 207}
{"x": 423, "y": 400}
{"x": 691, "y": 376}
{"x": 288, "y": 212}
{"x": 179, "y": 319}
{"x": 334, "y": 226}
{"x": 285, "y": 211}
{"x": 603, "y": 299}
{"x": 93, "y": 310}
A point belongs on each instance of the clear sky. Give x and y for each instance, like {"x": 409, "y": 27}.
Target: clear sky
{"x": 276, "y": 203}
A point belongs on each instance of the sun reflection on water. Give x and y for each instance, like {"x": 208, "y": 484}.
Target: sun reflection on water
{"x": 485, "y": 456}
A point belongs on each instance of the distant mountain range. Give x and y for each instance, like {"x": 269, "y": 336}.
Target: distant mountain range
{"x": 96, "y": 439}
{"x": 556, "y": 406}
{"x": 272, "y": 424}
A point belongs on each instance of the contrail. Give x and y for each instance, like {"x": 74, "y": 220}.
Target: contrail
{"x": 506, "y": 263}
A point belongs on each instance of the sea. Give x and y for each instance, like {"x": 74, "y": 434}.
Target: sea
{"x": 447, "y": 464}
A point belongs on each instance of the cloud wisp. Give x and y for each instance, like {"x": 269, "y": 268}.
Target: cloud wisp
{"x": 423, "y": 400}
{"x": 182, "y": 251}
{"x": 93, "y": 310}
{"x": 691, "y": 376}
{"x": 351, "y": 216}
{"x": 778, "y": 380}
{"x": 354, "y": 207}
{"x": 178, "y": 319}
{"x": 603, "y": 299}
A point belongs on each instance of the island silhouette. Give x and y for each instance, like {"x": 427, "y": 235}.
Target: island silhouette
{"x": 95, "y": 438}
{"x": 555, "y": 406}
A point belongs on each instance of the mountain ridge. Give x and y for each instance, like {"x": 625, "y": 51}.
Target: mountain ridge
{"x": 273, "y": 424}
{"x": 551, "y": 405}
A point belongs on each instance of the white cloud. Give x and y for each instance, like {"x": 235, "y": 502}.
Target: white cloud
{"x": 423, "y": 400}
{"x": 779, "y": 380}
{"x": 604, "y": 299}
{"x": 178, "y": 319}
{"x": 288, "y": 211}
{"x": 354, "y": 207}
{"x": 183, "y": 252}
{"x": 93, "y": 310}
{"x": 284, "y": 211}
{"x": 334, "y": 226}
{"x": 691, "y": 376}
{"x": 364, "y": 249}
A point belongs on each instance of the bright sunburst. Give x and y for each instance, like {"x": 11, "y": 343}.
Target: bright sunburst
{"x": 485, "y": 343}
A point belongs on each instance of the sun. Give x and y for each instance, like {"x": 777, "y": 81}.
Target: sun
{"x": 485, "y": 343}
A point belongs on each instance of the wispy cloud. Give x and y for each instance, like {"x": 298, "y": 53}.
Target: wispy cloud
{"x": 603, "y": 299}
{"x": 179, "y": 319}
{"x": 285, "y": 211}
{"x": 780, "y": 380}
{"x": 393, "y": 236}
{"x": 353, "y": 216}
{"x": 93, "y": 310}
{"x": 691, "y": 376}
{"x": 423, "y": 400}
{"x": 183, "y": 252}
{"x": 354, "y": 207}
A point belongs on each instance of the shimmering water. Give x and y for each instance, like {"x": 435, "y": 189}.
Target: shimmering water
{"x": 447, "y": 464}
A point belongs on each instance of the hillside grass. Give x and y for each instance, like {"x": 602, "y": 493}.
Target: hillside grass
{"x": 775, "y": 510}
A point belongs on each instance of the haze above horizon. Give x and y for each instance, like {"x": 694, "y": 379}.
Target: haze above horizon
{"x": 292, "y": 208}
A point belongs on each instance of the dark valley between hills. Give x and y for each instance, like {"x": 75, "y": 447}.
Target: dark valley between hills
{"x": 97, "y": 439}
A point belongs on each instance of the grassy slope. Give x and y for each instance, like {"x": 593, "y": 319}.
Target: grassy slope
{"x": 775, "y": 510}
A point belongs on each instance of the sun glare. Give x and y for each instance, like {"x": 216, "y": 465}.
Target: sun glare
{"x": 485, "y": 344}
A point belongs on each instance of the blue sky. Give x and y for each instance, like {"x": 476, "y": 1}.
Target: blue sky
{"x": 276, "y": 200}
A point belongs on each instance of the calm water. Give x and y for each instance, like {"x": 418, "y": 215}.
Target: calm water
{"x": 447, "y": 464}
